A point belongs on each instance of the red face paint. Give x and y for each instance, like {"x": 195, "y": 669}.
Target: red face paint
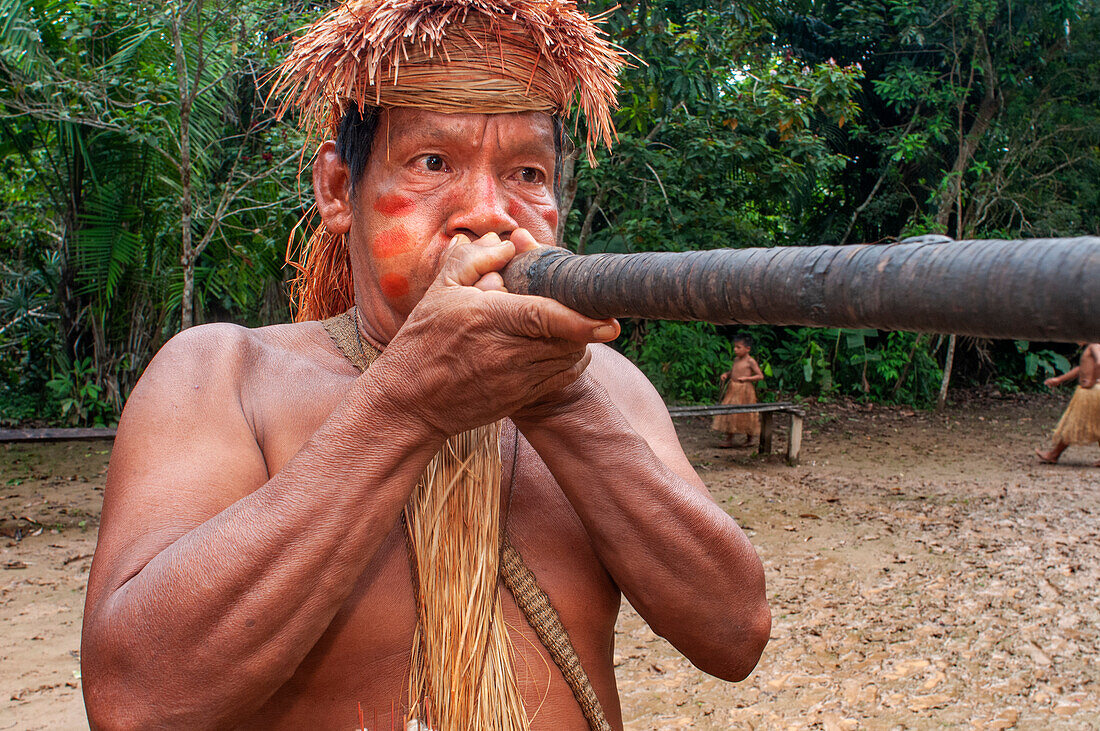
{"x": 394, "y": 286}
{"x": 393, "y": 205}
{"x": 391, "y": 242}
{"x": 550, "y": 215}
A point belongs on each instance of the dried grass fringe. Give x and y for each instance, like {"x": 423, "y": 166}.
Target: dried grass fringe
{"x": 1080, "y": 424}
{"x": 322, "y": 285}
{"x": 462, "y": 676}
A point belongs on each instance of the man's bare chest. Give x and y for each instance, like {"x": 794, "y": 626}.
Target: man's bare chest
{"x": 371, "y": 634}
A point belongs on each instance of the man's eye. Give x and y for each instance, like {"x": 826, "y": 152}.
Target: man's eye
{"x": 434, "y": 163}
{"x": 531, "y": 175}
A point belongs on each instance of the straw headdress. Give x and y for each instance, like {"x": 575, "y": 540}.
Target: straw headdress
{"x": 480, "y": 56}
{"x": 483, "y": 56}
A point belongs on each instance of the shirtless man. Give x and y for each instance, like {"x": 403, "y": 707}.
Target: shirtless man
{"x": 1080, "y": 424}
{"x": 251, "y": 570}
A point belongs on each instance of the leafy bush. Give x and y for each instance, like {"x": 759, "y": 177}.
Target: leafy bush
{"x": 82, "y": 400}
{"x": 1048, "y": 361}
{"x": 823, "y": 362}
{"x": 683, "y": 360}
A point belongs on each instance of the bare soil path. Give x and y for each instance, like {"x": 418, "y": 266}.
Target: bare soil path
{"x": 924, "y": 571}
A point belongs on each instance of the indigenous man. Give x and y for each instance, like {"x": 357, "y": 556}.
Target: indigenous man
{"x": 1080, "y": 424}
{"x": 262, "y": 560}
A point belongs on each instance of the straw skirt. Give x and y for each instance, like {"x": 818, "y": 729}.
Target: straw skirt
{"x": 738, "y": 393}
{"x": 1081, "y": 422}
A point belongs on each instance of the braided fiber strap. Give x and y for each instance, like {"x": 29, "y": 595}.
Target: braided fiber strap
{"x": 544, "y": 619}
{"x": 520, "y": 580}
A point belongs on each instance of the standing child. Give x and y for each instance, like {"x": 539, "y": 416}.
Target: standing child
{"x": 1081, "y": 422}
{"x": 740, "y": 383}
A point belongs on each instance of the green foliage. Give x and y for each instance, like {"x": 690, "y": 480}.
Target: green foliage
{"x": 867, "y": 364}
{"x": 1046, "y": 360}
{"x": 724, "y": 139}
{"x": 683, "y": 360}
{"x": 81, "y": 400}
{"x": 91, "y": 135}
{"x": 750, "y": 124}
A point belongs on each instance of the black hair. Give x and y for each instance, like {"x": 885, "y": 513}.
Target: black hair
{"x": 355, "y": 137}
{"x": 743, "y": 338}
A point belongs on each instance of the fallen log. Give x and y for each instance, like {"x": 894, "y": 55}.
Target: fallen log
{"x": 1027, "y": 289}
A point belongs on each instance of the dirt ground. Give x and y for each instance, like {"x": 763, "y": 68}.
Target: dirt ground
{"x": 924, "y": 571}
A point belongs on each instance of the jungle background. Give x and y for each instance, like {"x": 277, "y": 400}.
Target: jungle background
{"x": 147, "y": 187}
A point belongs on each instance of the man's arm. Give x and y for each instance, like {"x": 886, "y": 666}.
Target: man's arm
{"x": 677, "y": 556}
{"x": 211, "y": 582}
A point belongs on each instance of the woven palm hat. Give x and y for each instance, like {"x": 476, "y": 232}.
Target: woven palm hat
{"x": 480, "y": 56}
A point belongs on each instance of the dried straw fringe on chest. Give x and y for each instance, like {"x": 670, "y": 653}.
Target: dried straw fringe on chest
{"x": 462, "y": 676}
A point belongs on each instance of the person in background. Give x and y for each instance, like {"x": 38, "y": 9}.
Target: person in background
{"x": 740, "y": 388}
{"x": 1080, "y": 424}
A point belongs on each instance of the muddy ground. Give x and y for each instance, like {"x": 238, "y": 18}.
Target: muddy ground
{"x": 924, "y": 571}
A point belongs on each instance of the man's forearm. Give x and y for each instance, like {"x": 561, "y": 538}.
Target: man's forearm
{"x": 680, "y": 560}
{"x": 255, "y": 586}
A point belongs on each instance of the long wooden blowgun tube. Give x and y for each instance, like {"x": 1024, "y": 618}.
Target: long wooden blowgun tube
{"x": 1029, "y": 289}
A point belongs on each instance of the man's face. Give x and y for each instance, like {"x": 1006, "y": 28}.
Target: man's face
{"x": 740, "y": 349}
{"x": 432, "y": 176}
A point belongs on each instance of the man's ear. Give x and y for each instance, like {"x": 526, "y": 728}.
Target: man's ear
{"x": 332, "y": 189}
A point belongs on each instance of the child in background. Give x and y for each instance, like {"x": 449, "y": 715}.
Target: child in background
{"x": 1081, "y": 422}
{"x": 740, "y": 383}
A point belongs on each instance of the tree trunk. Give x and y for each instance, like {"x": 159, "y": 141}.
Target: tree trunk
{"x": 907, "y": 367}
{"x": 187, "y": 301}
{"x": 589, "y": 217}
{"x": 968, "y": 143}
{"x": 948, "y": 363}
{"x": 568, "y": 194}
{"x": 187, "y": 97}
{"x": 69, "y": 304}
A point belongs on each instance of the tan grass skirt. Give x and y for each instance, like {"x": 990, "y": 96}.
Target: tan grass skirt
{"x": 1081, "y": 422}
{"x": 738, "y": 393}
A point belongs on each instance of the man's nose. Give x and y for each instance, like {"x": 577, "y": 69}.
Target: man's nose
{"x": 481, "y": 208}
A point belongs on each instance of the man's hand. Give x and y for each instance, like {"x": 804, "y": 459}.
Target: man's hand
{"x": 1052, "y": 383}
{"x": 723, "y": 377}
{"x": 471, "y": 353}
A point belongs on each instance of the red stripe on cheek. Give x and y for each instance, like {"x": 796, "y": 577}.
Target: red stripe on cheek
{"x": 550, "y": 215}
{"x": 394, "y": 286}
{"x": 393, "y": 205}
{"x": 391, "y": 242}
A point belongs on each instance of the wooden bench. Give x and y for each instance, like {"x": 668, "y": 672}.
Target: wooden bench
{"x": 54, "y": 435}
{"x": 767, "y": 413}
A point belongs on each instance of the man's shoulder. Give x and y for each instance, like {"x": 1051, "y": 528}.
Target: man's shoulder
{"x": 625, "y": 383}
{"x": 228, "y": 355}
{"x": 228, "y": 346}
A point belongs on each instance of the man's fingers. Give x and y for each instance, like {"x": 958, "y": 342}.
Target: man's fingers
{"x": 467, "y": 262}
{"x": 540, "y": 317}
{"x": 491, "y": 282}
{"x": 523, "y": 240}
